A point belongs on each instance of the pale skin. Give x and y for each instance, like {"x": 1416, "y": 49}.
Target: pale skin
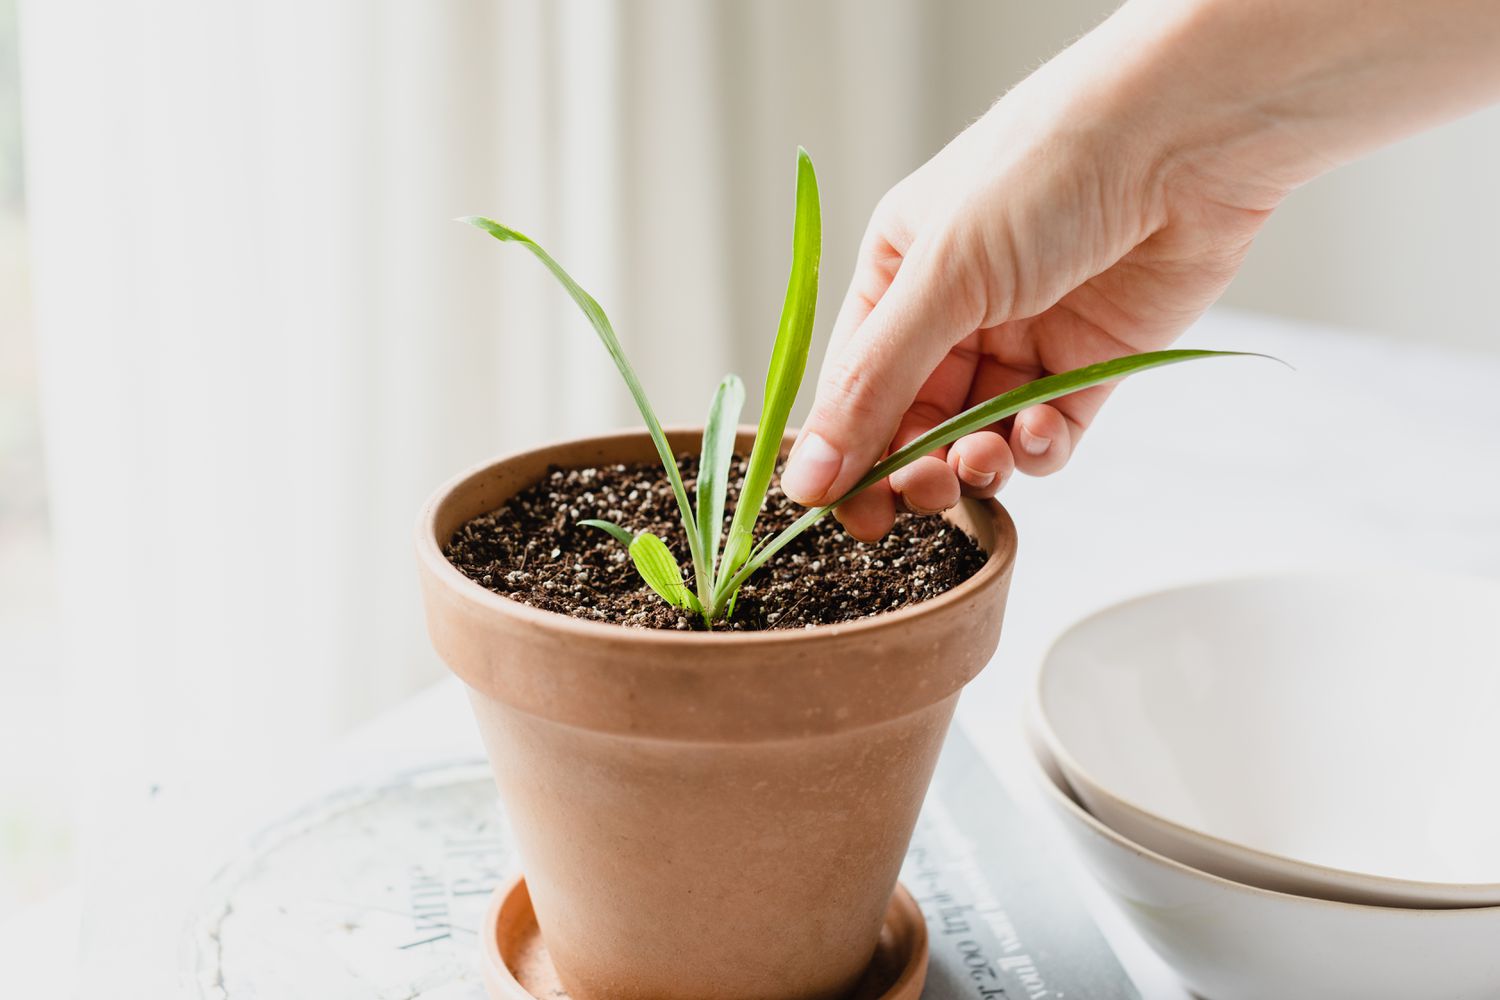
{"x": 1097, "y": 210}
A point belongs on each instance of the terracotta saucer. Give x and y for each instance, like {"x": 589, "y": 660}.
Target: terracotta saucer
{"x": 517, "y": 967}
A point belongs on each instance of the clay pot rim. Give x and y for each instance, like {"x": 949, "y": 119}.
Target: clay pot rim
{"x": 430, "y": 553}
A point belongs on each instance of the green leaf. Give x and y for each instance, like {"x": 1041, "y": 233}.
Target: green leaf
{"x": 975, "y": 418}
{"x": 653, "y": 560}
{"x": 788, "y": 363}
{"x": 606, "y": 332}
{"x": 616, "y": 532}
{"x": 1010, "y": 403}
{"x": 713, "y": 471}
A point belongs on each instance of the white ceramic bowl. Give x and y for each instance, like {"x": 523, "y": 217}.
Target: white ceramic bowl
{"x": 1330, "y": 735}
{"x": 1234, "y": 942}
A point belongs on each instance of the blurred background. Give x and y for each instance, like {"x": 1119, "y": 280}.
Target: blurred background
{"x": 241, "y": 339}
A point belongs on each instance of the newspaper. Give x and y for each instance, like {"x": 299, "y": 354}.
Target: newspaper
{"x": 1003, "y": 920}
{"x": 379, "y": 891}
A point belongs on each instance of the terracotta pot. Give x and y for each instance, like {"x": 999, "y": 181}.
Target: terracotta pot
{"x": 706, "y": 815}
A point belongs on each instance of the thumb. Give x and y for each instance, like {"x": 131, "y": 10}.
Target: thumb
{"x": 878, "y": 370}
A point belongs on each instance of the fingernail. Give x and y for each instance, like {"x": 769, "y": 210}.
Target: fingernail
{"x": 912, "y": 508}
{"x": 810, "y": 469}
{"x": 1033, "y": 444}
{"x": 975, "y": 478}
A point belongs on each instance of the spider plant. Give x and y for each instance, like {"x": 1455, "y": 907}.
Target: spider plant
{"x": 722, "y": 561}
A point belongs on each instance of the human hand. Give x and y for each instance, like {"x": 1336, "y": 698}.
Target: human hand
{"x": 1096, "y": 211}
{"x": 1024, "y": 248}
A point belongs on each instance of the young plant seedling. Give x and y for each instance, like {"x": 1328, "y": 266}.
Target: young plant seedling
{"x": 721, "y": 563}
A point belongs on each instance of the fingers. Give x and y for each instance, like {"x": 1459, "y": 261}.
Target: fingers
{"x": 1041, "y": 440}
{"x": 930, "y": 486}
{"x": 978, "y": 465}
{"x": 869, "y": 515}
{"x": 934, "y": 482}
{"x": 982, "y": 463}
{"x": 926, "y": 486}
{"x": 865, "y": 390}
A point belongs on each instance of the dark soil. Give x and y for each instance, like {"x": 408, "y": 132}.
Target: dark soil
{"x": 532, "y": 550}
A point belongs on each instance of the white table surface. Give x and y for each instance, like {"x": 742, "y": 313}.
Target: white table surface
{"x": 1370, "y": 453}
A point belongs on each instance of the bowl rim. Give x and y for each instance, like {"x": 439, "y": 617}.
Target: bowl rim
{"x": 1066, "y": 802}
{"x": 1454, "y": 895}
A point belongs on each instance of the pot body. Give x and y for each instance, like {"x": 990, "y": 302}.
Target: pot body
{"x": 706, "y": 815}
{"x": 669, "y": 869}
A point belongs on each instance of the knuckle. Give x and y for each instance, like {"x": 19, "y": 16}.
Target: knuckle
{"x": 950, "y": 266}
{"x": 888, "y": 208}
{"x": 853, "y": 391}
{"x": 888, "y": 235}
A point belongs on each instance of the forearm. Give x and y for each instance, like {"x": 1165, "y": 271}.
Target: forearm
{"x": 1271, "y": 93}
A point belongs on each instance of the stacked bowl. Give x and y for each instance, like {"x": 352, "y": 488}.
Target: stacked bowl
{"x": 1290, "y": 784}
